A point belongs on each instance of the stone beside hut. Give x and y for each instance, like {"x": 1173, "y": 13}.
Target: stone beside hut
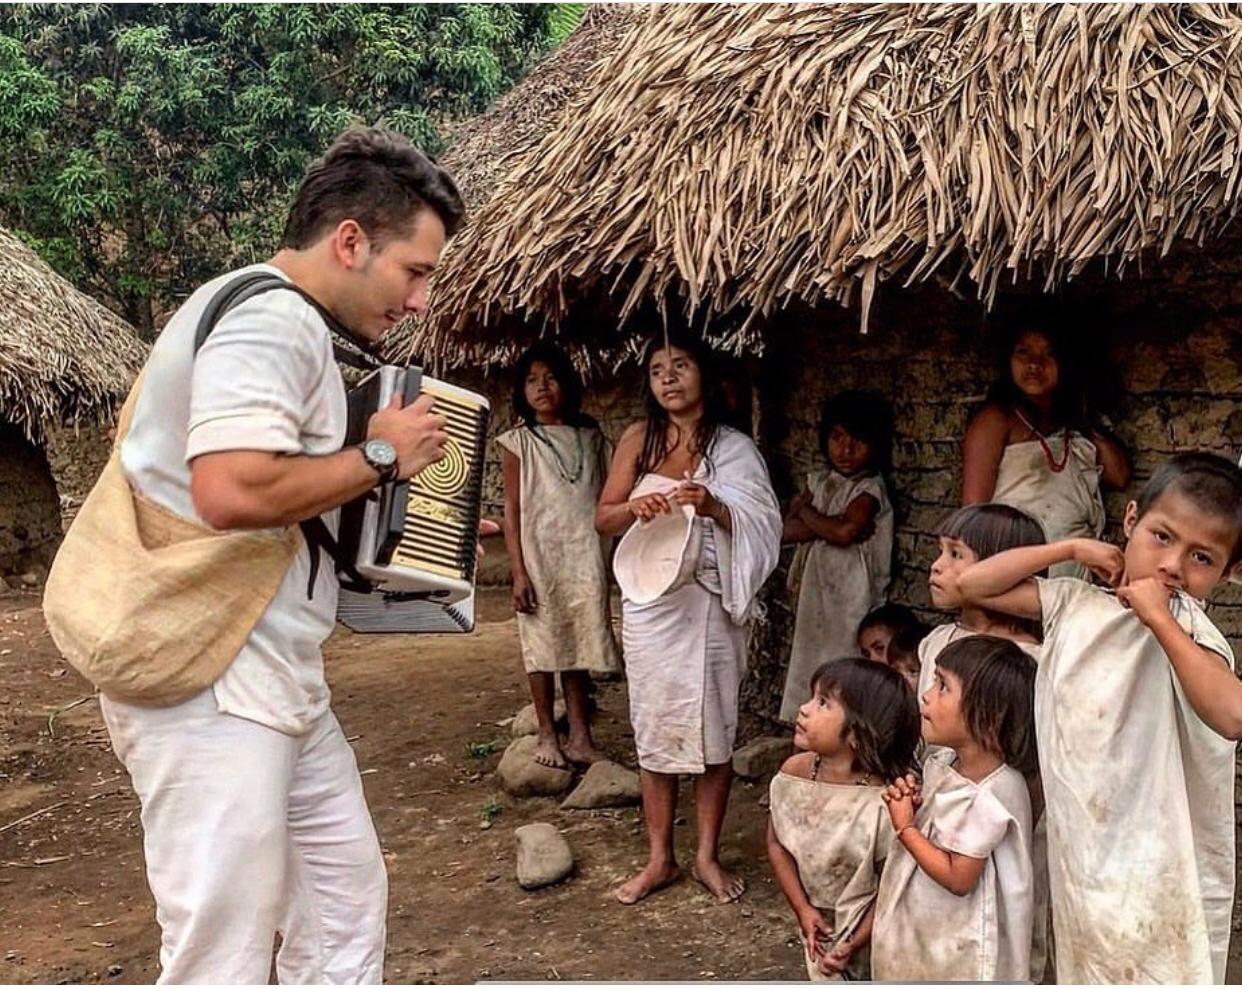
{"x": 841, "y": 193}
{"x": 65, "y": 363}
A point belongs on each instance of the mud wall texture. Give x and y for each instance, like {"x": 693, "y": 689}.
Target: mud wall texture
{"x": 30, "y": 524}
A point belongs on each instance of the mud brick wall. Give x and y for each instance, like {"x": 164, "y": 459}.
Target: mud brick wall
{"x": 1172, "y": 339}
{"x": 29, "y": 506}
{"x": 77, "y": 455}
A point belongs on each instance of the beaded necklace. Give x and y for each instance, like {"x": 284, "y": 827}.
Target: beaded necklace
{"x": 1053, "y": 466}
{"x": 865, "y": 781}
{"x": 570, "y": 476}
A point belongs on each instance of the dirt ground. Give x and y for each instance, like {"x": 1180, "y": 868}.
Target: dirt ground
{"x": 74, "y": 905}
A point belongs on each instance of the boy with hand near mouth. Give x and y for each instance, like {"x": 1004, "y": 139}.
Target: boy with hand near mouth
{"x": 1137, "y": 759}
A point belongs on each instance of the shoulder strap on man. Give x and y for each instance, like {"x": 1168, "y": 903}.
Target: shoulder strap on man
{"x": 347, "y": 349}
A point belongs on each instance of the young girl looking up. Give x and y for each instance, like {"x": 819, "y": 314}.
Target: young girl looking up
{"x": 970, "y": 534}
{"x": 1034, "y": 445}
{"x": 956, "y": 900}
{"x": 844, "y": 524}
{"x": 828, "y": 830}
{"x": 553, "y": 464}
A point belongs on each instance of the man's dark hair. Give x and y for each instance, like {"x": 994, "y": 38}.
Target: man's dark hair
{"x": 880, "y": 713}
{"x": 1211, "y": 482}
{"x": 890, "y": 615}
{"x": 992, "y": 528}
{"x": 562, "y": 369}
{"x": 998, "y": 696}
{"x": 865, "y": 415}
{"x": 377, "y": 178}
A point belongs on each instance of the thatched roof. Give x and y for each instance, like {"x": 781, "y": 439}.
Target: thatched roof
{"x": 484, "y": 148}
{"x": 729, "y": 158}
{"x": 63, "y": 356}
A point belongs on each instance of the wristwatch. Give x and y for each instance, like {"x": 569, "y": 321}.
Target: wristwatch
{"x": 382, "y": 457}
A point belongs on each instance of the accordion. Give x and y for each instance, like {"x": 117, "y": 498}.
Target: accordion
{"x": 412, "y": 544}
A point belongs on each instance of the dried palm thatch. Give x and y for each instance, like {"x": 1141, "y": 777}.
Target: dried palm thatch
{"x": 729, "y": 158}
{"x": 63, "y": 356}
{"x": 486, "y": 146}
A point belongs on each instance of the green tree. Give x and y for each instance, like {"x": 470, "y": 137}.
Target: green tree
{"x": 146, "y": 148}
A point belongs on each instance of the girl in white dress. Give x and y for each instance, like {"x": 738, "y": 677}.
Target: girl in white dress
{"x": 1034, "y": 445}
{"x": 956, "y": 898}
{"x": 829, "y": 832}
{"x": 843, "y": 523}
{"x": 554, "y": 465}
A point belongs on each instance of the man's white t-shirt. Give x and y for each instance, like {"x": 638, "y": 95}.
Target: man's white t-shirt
{"x": 264, "y": 380}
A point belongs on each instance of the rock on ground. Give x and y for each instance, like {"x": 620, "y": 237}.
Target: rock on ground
{"x": 762, "y": 757}
{"x": 525, "y": 722}
{"x": 605, "y": 785}
{"x": 543, "y": 856}
{"x": 521, "y": 776}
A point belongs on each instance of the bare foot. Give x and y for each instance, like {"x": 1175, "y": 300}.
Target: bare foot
{"x": 548, "y": 753}
{"x": 653, "y": 877}
{"x": 724, "y": 886}
{"x": 581, "y": 753}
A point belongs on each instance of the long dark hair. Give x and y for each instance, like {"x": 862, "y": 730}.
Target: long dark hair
{"x": 881, "y": 714}
{"x": 562, "y": 369}
{"x": 998, "y": 696}
{"x": 715, "y": 406}
{"x": 865, "y": 415}
{"x": 1062, "y": 328}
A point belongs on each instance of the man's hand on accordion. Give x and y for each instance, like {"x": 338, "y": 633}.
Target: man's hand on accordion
{"x": 416, "y": 433}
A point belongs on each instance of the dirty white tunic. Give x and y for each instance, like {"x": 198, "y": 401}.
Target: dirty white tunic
{"x": 930, "y": 648}
{"x": 835, "y": 586}
{"x": 1067, "y": 504}
{"x": 924, "y": 933}
{"x": 570, "y": 628}
{"x": 839, "y": 835}
{"x": 685, "y": 652}
{"x": 1139, "y": 793}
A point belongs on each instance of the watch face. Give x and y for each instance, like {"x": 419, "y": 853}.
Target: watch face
{"x": 380, "y": 453}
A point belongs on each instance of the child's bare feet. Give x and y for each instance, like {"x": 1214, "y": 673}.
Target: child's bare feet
{"x": 581, "y": 753}
{"x": 548, "y": 753}
{"x": 724, "y": 886}
{"x": 654, "y": 877}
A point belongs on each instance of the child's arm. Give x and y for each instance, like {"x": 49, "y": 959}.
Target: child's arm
{"x": 1111, "y": 456}
{"x": 955, "y": 872}
{"x": 811, "y": 922}
{"x": 1210, "y": 685}
{"x": 838, "y": 959}
{"x": 982, "y": 449}
{"x": 794, "y": 529}
{"x": 1003, "y": 582}
{"x": 523, "y": 593}
{"x": 854, "y": 525}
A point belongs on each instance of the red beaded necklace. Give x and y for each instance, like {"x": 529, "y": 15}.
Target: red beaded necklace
{"x": 1053, "y": 466}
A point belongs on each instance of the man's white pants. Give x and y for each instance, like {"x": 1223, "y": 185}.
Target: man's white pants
{"x": 247, "y": 832}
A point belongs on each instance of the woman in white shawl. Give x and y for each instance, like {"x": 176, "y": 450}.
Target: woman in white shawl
{"x": 685, "y": 651}
{"x": 1033, "y": 445}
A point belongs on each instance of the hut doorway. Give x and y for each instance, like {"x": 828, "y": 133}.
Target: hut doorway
{"x": 30, "y": 527}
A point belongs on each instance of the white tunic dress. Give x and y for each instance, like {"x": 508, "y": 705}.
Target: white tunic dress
{"x": 685, "y": 652}
{"x": 570, "y": 628}
{"x": 924, "y": 933}
{"x": 1066, "y": 503}
{"x": 1139, "y": 796}
{"x": 835, "y": 586}
{"x": 930, "y": 648}
{"x": 839, "y": 835}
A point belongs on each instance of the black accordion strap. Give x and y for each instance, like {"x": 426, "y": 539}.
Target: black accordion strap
{"x": 347, "y": 349}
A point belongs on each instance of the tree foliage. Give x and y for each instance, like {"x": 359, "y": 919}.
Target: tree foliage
{"x": 148, "y": 147}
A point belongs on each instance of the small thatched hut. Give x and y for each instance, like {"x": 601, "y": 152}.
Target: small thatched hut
{"x": 64, "y": 361}
{"x": 750, "y": 168}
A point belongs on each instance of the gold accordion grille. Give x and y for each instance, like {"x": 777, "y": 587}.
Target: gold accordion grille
{"x": 442, "y": 511}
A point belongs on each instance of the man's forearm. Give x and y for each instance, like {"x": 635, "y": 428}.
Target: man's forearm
{"x": 255, "y": 490}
